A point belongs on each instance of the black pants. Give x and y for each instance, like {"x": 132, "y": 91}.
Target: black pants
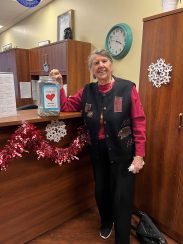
{"x": 113, "y": 192}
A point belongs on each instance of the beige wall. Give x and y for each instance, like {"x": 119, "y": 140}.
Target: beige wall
{"x": 93, "y": 19}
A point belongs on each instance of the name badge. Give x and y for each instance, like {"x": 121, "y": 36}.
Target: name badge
{"x": 117, "y": 104}
{"x": 87, "y": 107}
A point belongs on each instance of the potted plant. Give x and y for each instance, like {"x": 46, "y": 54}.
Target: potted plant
{"x": 169, "y": 5}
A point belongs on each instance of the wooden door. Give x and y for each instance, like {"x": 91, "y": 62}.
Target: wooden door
{"x": 53, "y": 55}
{"x": 16, "y": 61}
{"x": 7, "y": 61}
{"x": 8, "y": 64}
{"x": 78, "y": 72}
{"x": 157, "y": 186}
{"x": 3, "y": 62}
{"x": 177, "y": 223}
{"x": 22, "y": 73}
{"x": 58, "y": 57}
{"x": 34, "y": 61}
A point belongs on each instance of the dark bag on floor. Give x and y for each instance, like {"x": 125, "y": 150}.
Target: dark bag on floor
{"x": 146, "y": 231}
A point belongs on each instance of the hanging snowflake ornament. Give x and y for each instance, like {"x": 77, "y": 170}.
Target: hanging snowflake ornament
{"x": 55, "y": 130}
{"x": 159, "y": 73}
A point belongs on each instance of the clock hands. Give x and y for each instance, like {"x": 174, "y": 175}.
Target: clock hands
{"x": 116, "y": 41}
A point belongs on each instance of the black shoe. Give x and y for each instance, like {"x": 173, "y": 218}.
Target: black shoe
{"x": 105, "y": 232}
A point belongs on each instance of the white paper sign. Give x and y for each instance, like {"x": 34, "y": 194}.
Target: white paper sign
{"x": 25, "y": 90}
{"x": 50, "y": 97}
{"x": 65, "y": 89}
{"x": 34, "y": 90}
{"x": 7, "y": 95}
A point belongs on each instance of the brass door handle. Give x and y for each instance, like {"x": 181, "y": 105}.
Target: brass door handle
{"x": 180, "y": 120}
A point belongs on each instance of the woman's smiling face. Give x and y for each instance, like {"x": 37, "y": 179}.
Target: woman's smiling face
{"x": 102, "y": 69}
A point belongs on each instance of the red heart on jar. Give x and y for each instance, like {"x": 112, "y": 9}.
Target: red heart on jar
{"x": 50, "y": 96}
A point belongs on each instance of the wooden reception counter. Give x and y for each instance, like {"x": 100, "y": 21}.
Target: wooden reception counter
{"x": 38, "y": 195}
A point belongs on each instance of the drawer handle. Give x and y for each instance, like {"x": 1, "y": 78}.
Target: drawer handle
{"x": 180, "y": 120}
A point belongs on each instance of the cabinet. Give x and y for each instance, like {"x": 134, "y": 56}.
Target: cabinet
{"x": 16, "y": 60}
{"x": 69, "y": 56}
{"x": 159, "y": 187}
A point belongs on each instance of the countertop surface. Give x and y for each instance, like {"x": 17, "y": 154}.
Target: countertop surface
{"x": 33, "y": 117}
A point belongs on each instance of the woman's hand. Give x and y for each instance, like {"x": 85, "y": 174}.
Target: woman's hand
{"x": 136, "y": 165}
{"x": 55, "y": 74}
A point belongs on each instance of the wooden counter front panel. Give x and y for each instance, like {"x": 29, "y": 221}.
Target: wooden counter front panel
{"x": 158, "y": 188}
{"x": 38, "y": 195}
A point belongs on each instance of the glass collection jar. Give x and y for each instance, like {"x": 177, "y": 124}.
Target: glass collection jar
{"x": 48, "y": 97}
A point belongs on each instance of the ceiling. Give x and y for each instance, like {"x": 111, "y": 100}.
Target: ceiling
{"x": 11, "y": 12}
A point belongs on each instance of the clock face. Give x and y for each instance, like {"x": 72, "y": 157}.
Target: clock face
{"x": 116, "y": 41}
{"x": 119, "y": 40}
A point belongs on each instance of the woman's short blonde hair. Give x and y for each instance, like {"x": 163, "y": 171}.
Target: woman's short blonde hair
{"x": 101, "y": 52}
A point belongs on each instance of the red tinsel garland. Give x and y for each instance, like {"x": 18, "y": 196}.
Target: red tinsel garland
{"x": 28, "y": 137}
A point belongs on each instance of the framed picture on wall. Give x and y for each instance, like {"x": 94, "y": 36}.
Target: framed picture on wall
{"x": 64, "y": 21}
{"x": 43, "y": 43}
{"x": 7, "y": 47}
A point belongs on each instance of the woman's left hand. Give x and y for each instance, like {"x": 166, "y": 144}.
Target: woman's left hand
{"x": 137, "y": 164}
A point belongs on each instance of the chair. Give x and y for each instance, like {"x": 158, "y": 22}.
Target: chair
{"x": 28, "y": 106}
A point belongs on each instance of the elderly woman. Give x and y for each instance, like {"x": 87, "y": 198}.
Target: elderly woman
{"x": 115, "y": 121}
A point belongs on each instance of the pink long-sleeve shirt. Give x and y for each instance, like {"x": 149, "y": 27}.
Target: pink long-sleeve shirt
{"x": 73, "y": 103}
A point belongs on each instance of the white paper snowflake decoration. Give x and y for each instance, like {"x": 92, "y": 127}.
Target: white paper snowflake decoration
{"x": 55, "y": 130}
{"x": 159, "y": 73}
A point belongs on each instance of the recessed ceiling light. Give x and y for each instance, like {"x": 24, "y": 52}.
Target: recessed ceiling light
{"x": 1, "y": 26}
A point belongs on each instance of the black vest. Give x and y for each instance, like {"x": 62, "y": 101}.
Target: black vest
{"x": 116, "y": 108}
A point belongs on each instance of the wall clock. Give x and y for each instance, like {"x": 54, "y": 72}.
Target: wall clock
{"x": 119, "y": 40}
